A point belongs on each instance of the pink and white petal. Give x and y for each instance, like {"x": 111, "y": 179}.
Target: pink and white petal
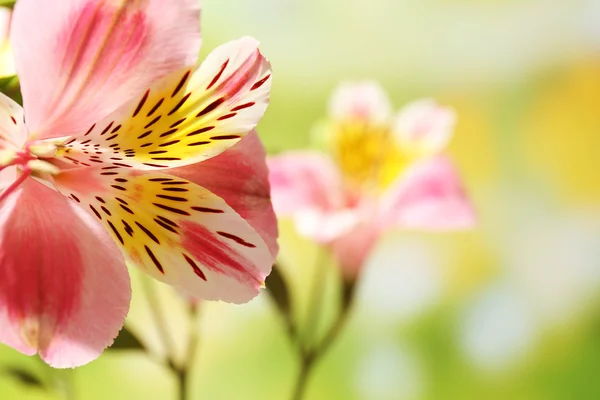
{"x": 176, "y": 231}
{"x": 430, "y": 196}
{"x": 241, "y": 178}
{"x": 5, "y": 17}
{"x": 352, "y": 250}
{"x": 64, "y": 287}
{"x": 424, "y": 127}
{"x": 79, "y": 60}
{"x": 13, "y": 132}
{"x": 365, "y": 101}
{"x": 189, "y": 116}
{"x": 304, "y": 180}
{"x": 326, "y": 226}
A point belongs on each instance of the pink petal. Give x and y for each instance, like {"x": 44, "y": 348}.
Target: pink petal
{"x": 240, "y": 177}
{"x": 362, "y": 100}
{"x": 424, "y": 127}
{"x": 64, "y": 287}
{"x": 429, "y": 196}
{"x": 188, "y": 117}
{"x": 353, "y": 248}
{"x": 13, "y": 132}
{"x": 79, "y": 60}
{"x": 304, "y": 180}
{"x": 176, "y": 231}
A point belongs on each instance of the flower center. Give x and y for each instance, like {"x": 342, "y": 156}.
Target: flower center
{"x": 367, "y": 155}
{"x": 27, "y": 162}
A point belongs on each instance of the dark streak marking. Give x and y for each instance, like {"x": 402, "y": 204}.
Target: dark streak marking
{"x": 181, "y": 102}
{"x": 116, "y": 232}
{"x": 156, "y": 106}
{"x": 175, "y": 210}
{"x": 106, "y": 129}
{"x": 127, "y": 228}
{"x": 169, "y": 143}
{"x": 96, "y": 212}
{"x": 243, "y": 106}
{"x": 208, "y": 210}
{"x": 167, "y": 227}
{"x": 173, "y": 198}
{"x": 195, "y": 267}
{"x": 225, "y": 137}
{"x": 260, "y": 83}
{"x": 181, "y": 83}
{"x": 201, "y": 130}
{"x": 226, "y": 116}
{"x": 147, "y": 232}
{"x": 174, "y": 124}
{"x": 154, "y": 260}
{"x": 236, "y": 239}
{"x": 127, "y": 209}
{"x": 90, "y": 130}
{"x": 167, "y": 221}
{"x": 218, "y": 76}
{"x": 169, "y": 132}
{"x": 141, "y": 103}
{"x": 211, "y": 107}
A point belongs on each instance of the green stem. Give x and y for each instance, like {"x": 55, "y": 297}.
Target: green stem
{"x": 193, "y": 341}
{"x": 159, "y": 321}
{"x": 303, "y": 375}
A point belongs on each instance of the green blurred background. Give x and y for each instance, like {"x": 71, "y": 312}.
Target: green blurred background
{"x": 507, "y": 311}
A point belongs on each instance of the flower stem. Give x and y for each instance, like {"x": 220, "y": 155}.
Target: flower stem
{"x": 309, "y": 356}
{"x": 159, "y": 321}
{"x": 303, "y": 375}
{"x": 193, "y": 340}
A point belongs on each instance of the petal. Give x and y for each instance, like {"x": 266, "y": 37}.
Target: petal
{"x": 79, "y": 60}
{"x": 352, "y": 249}
{"x": 176, "y": 231}
{"x": 188, "y": 117}
{"x": 13, "y": 132}
{"x": 360, "y": 101}
{"x": 240, "y": 177}
{"x": 64, "y": 287}
{"x": 326, "y": 226}
{"x": 424, "y": 127}
{"x": 429, "y": 196}
{"x": 304, "y": 180}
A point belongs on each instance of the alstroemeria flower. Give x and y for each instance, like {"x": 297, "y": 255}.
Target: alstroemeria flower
{"x": 384, "y": 171}
{"x": 126, "y": 150}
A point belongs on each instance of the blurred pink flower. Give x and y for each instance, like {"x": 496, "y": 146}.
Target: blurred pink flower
{"x": 128, "y": 152}
{"x": 385, "y": 171}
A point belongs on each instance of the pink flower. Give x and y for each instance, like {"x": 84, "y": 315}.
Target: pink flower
{"x": 125, "y": 150}
{"x": 383, "y": 172}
